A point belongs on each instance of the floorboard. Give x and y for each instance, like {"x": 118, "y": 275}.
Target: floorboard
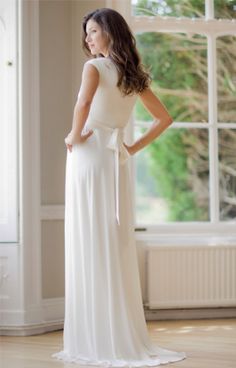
{"x": 207, "y": 343}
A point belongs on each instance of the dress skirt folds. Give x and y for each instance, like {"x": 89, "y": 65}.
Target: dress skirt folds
{"x": 104, "y": 318}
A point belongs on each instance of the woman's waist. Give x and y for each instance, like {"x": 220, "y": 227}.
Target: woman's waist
{"x": 108, "y": 126}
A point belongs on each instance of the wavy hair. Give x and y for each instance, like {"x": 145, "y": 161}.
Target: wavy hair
{"x": 132, "y": 77}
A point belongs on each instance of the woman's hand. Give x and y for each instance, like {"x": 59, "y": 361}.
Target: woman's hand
{"x": 130, "y": 149}
{"x": 71, "y": 139}
{"x": 68, "y": 142}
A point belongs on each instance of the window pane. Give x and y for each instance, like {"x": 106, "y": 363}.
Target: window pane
{"x": 178, "y": 65}
{"x": 172, "y": 177}
{"x": 174, "y": 8}
{"x": 226, "y": 69}
{"x": 225, "y": 9}
{"x": 227, "y": 162}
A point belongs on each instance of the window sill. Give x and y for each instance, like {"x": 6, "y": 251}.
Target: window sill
{"x": 186, "y": 240}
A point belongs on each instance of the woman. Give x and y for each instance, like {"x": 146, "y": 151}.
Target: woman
{"x": 104, "y": 317}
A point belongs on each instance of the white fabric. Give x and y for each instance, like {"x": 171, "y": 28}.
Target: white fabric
{"x": 104, "y": 317}
{"x": 115, "y": 143}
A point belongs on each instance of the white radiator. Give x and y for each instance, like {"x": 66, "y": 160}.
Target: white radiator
{"x": 189, "y": 277}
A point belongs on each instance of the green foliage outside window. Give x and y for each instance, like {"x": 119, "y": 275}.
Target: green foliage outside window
{"x": 178, "y": 160}
{"x": 175, "y": 8}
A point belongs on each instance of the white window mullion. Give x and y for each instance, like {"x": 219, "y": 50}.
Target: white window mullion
{"x": 209, "y": 9}
{"x": 213, "y": 133}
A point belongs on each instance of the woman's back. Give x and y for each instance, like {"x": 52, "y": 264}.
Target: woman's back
{"x": 109, "y": 105}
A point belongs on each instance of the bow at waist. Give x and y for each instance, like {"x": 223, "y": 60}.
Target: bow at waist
{"x": 116, "y": 144}
{"x": 121, "y": 155}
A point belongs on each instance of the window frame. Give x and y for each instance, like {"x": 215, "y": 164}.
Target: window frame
{"x": 211, "y": 28}
{"x": 9, "y": 222}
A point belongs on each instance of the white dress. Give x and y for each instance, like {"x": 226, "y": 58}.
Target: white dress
{"x": 104, "y": 318}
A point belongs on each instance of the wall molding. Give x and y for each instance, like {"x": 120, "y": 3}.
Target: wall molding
{"x": 52, "y": 212}
{"x": 31, "y": 329}
{"x": 192, "y": 234}
{"x": 53, "y": 317}
{"x": 190, "y": 313}
{"x": 22, "y": 274}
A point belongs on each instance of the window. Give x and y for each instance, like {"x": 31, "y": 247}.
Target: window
{"x": 188, "y": 175}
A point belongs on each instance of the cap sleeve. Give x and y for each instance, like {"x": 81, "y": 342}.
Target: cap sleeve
{"x": 95, "y": 63}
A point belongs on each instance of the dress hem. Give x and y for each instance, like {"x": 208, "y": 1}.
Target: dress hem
{"x": 155, "y": 361}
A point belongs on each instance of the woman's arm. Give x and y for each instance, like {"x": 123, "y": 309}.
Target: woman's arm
{"x": 161, "y": 122}
{"x": 90, "y": 78}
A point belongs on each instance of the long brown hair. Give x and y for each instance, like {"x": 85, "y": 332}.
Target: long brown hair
{"x": 132, "y": 78}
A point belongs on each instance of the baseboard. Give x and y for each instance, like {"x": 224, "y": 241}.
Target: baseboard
{"x": 190, "y": 313}
{"x": 51, "y": 319}
{"x": 53, "y": 312}
{"x": 33, "y": 329}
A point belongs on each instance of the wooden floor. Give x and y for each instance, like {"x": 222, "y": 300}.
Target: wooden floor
{"x": 207, "y": 343}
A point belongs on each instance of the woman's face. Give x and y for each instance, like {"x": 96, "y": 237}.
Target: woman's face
{"x": 96, "y": 39}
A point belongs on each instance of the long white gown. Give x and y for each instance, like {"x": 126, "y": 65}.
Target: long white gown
{"x": 104, "y": 318}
